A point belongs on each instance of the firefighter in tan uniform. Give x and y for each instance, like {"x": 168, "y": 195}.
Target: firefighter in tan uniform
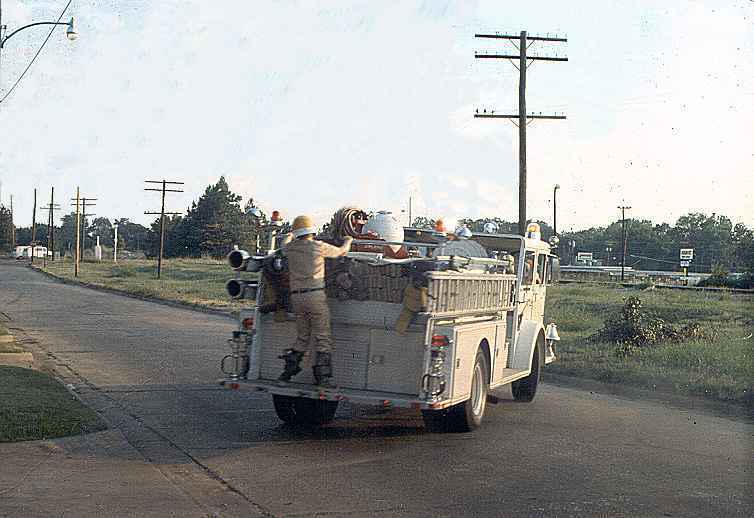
{"x": 306, "y": 264}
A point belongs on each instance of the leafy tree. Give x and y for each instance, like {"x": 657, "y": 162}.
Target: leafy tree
{"x": 6, "y": 230}
{"x": 23, "y": 235}
{"x": 103, "y": 228}
{"x": 174, "y": 245}
{"x": 131, "y": 236}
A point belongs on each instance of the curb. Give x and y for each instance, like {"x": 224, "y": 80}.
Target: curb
{"x": 16, "y": 359}
{"x": 25, "y": 359}
{"x": 158, "y": 300}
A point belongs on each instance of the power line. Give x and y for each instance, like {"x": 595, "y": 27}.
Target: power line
{"x": 49, "y": 35}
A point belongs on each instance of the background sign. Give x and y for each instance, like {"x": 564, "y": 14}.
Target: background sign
{"x": 584, "y": 256}
{"x": 685, "y": 264}
{"x": 687, "y": 254}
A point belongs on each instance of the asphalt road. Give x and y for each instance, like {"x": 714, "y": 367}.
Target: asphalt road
{"x": 151, "y": 370}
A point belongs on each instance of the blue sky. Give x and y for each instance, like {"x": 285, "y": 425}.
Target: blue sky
{"x": 308, "y": 108}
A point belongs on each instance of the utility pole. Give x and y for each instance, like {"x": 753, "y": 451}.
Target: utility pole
{"x": 84, "y": 215}
{"x": 555, "y": 209}
{"x": 79, "y": 229}
{"x": 115, "y": 243}
{"x": 80, "y": 204}
{"x": 33, "y": 227}
{"x": 524, "y": 62}
{"x": 78, "y": 235}
{"x": 51, "y": 208}
{"x": 410, "y": 212}
{"x": 13, "y": 225}
{"x": 162, "y": 213}
{"x": 623, "y": 209}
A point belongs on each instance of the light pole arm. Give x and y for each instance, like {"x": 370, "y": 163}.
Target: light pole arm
{"x": 2, "y": 42}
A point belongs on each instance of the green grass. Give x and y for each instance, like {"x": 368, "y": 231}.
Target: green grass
{"x": 35, "y": 406}
{"x": 197, "y": 282}
{"x": 7, "y": 347}
{"x": 721, "y": 369}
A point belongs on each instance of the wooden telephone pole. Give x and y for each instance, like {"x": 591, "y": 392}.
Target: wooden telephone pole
{"x": 623, "y": 209}
{"x": 524, "y": 62}
{"x": 13, "y": 225}
{"x": 78, "y": 235}
{"x": 51, "y": 208}
{"x": 80, "y": 203}
{"x": 84, "y": 214}
{"x": 162, "y": 213}
{"x": 33, "y": 227}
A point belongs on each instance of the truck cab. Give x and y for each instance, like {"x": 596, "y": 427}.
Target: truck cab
{"x": 480, "y": 329}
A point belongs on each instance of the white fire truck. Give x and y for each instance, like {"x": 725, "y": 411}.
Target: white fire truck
{"x": 479, "y": 326}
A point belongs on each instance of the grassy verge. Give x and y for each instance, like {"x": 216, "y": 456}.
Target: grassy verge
{"x": 33, "y": 405}
{"x": 195, "y": 282}
{"x": 722, "y": 369}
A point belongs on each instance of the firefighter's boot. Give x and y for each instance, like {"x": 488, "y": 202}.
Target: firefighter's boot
{"x": 323, "y": 370}
{"x": 292, "y": 359}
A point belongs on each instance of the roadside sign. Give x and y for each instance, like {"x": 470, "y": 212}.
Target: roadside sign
{"x": 584, "y": 257}
{"x": 685, "y": 264}
{"x": 687, "y": 254}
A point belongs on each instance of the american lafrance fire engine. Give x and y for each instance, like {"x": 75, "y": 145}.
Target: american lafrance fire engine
{"x": 420, "y": 319}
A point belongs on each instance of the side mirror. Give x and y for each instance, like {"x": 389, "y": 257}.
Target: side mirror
{"x": 554, "y": 270}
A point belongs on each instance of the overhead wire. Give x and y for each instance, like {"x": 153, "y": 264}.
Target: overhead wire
{"x": 39, "y": 50}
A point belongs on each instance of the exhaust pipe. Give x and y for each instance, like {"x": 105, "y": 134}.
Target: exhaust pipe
{"x": 241, "y": 289}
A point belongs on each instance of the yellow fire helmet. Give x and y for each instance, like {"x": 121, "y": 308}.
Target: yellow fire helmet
{"x": 302, "y": 226}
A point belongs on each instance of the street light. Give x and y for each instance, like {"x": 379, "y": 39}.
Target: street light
{"x": 70, "y": 32}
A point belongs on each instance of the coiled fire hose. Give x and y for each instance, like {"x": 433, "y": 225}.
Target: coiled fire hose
{"x": 347, "y": 221}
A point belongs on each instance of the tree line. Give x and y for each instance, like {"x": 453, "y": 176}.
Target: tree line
{"x": 718, "y": 243}
{"x": 210, "y": 227}
{"x": 217, "y": 221}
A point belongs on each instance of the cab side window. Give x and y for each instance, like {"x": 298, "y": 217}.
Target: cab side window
{"x": 529, "y": 268}
{"x": 553, "y": 270}
{"x": 541, "y": 267}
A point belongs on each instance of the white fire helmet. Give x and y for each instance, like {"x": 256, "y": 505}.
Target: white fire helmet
{"x": 384, "y": 224}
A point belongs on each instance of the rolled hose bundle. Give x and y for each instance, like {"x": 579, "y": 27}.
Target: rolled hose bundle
{"x": 347, "y": 221}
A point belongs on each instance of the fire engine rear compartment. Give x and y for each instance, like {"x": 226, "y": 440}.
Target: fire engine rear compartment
{"x": 368, "y": 353}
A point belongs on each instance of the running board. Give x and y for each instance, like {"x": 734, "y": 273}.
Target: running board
{"x": 510, "y": 375}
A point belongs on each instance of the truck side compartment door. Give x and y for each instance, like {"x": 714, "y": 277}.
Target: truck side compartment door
{"x": 466, "y": 343}
{"x": 396, "y": 361}
{"x": 500, "y": 354}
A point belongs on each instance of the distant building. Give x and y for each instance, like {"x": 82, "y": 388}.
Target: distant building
{"x": 24, "y": 252}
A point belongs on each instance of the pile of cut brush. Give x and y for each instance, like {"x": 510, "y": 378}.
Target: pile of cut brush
{"x": 634, "y": 328}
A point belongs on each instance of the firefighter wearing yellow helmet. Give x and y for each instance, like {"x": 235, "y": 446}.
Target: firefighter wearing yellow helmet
{"x": 306, "y": 264}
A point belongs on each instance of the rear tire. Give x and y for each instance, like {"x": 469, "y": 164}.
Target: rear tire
{"x": 466, "y": 416}
{"x": 306, "y": 412}
{"x": 525, "y": 389}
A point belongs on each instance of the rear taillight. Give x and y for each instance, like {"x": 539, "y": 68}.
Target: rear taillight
{"x": 440, "y": 341}
{"x": 248, "y": 323}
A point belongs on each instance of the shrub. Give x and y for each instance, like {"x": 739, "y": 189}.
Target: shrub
{"x": 634, "y": 328}
{"x": 744, "y": 281}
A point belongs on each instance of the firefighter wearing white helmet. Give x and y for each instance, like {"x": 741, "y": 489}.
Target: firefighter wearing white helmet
{"x": 306, "y": 264}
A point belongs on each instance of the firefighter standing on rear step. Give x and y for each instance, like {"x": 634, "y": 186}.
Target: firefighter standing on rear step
{"x": 306, "y": 264}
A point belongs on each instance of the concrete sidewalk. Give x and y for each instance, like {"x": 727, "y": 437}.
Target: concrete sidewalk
{"x": 101, "y": 474}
